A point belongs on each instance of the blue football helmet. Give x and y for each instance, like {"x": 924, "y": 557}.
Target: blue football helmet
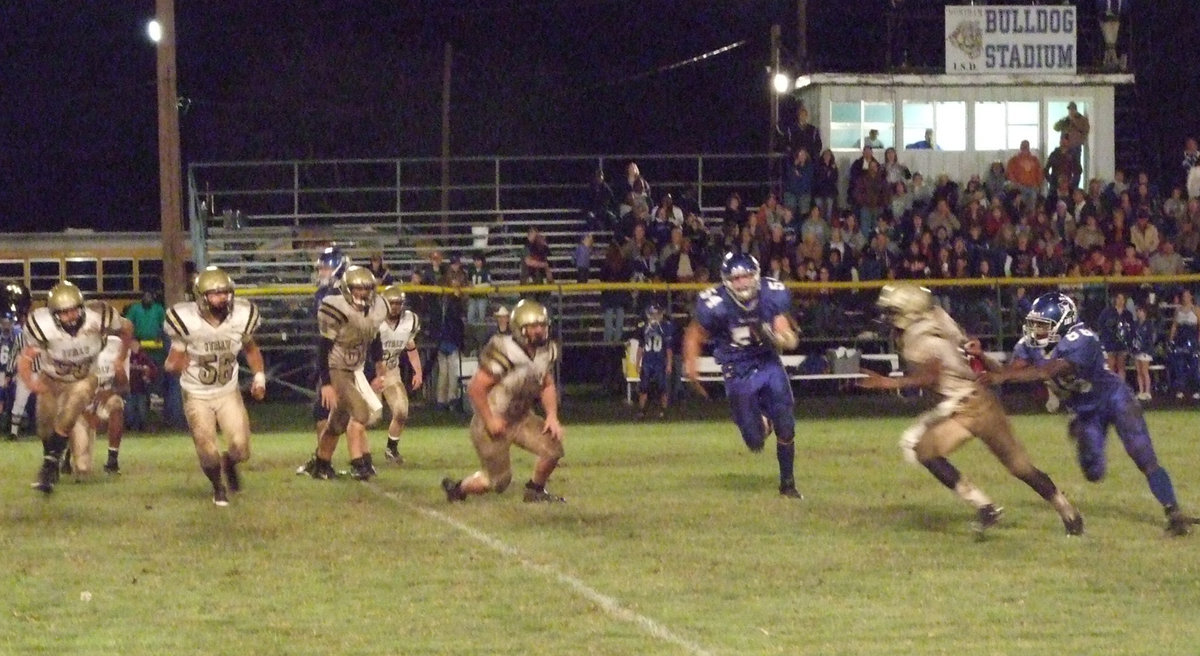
{"x": 15, "y": 300}
{"x": 1050, "y": 317}
{"x": 333, "y": 259}
{"x": 745, "y": 268}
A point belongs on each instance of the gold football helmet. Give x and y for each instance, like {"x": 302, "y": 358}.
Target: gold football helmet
{"x": 66, "y": 306}
{"x": 903, "y": 303}
{"x": 358, "y": 287}
{"x": 530, "y": 314}
{"x": 395, "y": 297}
{"x": 213, "y": 280}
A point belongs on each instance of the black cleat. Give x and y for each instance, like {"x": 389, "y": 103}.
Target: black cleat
{"x": 47, "y": 477}
{"x": 393, "y": 456}
{"x": 533, "y": 495}
{"x": 220, "y": 496}
{"x": 362, "y": 472}
{"x": 788, "y": 490}
{"x": 1179, "y": 524}
{"x": 453, "y": 490}
{"x": 987, "y": 517}
{"x": 229, "y": 467}
{"x": 1074, "y": 524}
{"x": 112, "y": 467}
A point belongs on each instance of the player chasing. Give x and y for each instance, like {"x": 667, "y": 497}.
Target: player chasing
{"x": 749, "y": 318}
{"x": 654, "y": 359}
{"x": 1097, "y": 397}
{"x": 515, "y": 371}
{"x": 932, "y": 344}
{"x": 65, "y": 338}
{"x": 206, "y": 335}
{"x": 397, "y": 336}
{"x": 349, "y": 333}
{"x": 107, "y": 411}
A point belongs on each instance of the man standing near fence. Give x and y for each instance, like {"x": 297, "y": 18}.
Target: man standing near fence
{"x": 748, "y": 317}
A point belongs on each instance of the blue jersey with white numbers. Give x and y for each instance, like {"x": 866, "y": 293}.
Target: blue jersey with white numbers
{"x": 657, "y": 338}
{"x": 1091, "y": 385}
{"x": 738, "y": 332}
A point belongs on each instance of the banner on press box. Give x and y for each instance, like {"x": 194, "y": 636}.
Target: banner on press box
{"x": 1005, "y": 39}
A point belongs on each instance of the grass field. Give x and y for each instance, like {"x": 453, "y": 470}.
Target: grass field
{"x": 674, "y": 541}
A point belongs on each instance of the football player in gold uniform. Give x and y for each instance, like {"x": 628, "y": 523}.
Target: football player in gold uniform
{"x": 64, "y": 339}
{"x": 349, "y": 326}
{"x": 515, "y": 371}
{"x": 206, "y": 335}
{"x": 107, "y": 410}
{"x": 934, "y": 345}
{"x": 397, "y": 338}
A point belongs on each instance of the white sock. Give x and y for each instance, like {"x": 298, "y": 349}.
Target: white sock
{"x": 971, "y": 494}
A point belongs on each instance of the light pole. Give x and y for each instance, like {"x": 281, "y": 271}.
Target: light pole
{"x": 162, "y": 32}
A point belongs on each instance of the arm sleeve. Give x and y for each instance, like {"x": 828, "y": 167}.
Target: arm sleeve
{"x": 324, "y": 347}
{"x": 375, "y": 350}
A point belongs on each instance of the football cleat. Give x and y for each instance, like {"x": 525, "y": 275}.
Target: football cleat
{"x": 453, "y": 490}
{"x": 987, "y": 517}
{"x": 393, "y": 455}
{"x": 1074, "y": 524}
{"x": 112, "y": 467}
{"x": 1179, "y": 524}
{"x": 47, "y": 477}
{"x": 220, "y": 496}
{"x": 229, "y": 467}
{"x": 534, "y": 495}
{"x": 362, "y": 472}
{"x": 788, "y": 490}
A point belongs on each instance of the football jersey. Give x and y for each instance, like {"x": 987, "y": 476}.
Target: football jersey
{"x": 737, "y": 331}
{"x": 1090, "y": 384}
{"x": 351, "y": 329}
{"x": 212, "y": 350}
{"x": 937, "y": 338}
{"x": 656, "y": 341}
{"x": 396, "y": 338}
{"x": 1025, "y": 350}
{"x": 64, "y": 357}
{"x": 106, "y": 363}
{"x": 521, "y": 377}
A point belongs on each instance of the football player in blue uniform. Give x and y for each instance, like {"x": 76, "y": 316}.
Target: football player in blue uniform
{"x": 1097, "y": 397}
{"x": 748, "y": 318}
{"x": 655, "y": 355}
{"x": 331, "y": 265}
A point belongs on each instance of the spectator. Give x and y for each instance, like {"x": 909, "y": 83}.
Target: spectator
{"x": 376, "y": 266}
{"x": 1184, "y": 341}
{"x": 147, "y": 318}
{"x": 942, "y": 216}
{"x": 695, "y": 231}
{"x": 600, "y": 208}
{"x": 616, "y": 268}
{"x": 770, "y": 213}
{"x": 825, "y": 184}
{"x": 667, "y": 211}
{"x": 633, "y": 183}
{"x": 859, "y": 167}
{"x": 804, "y": 135}
{"x": 1188, "y": 240}
{"x": 680, "y": 265}
{"x": 1143, "y": 235}
{"x": 1141, "y": 345}
{"x": 815, "y": 225}
{"x": 996, "y": 182}
{"x": 478, "y": 276}
{"x": 1174, "y": 209}
{"x": 870, "y": 195}
{"x": 922, "y": 194}
{"x": 1191, "y": 160}
{"x": 1166, "y": 262}
{"x": 1114, "y": 326}
{"x": 1073, "y": 129}
{"x": 924, "y": 144}
{"x": 872, "y": 139}
{"x": 582, "y": 258}
{"x": 1111, "y": 197}
{"x": 1026, "y": 175}
{"x": 1131, "y": 263}
{"x": 893, "y": 170}
{"x": 1088, "y": 236}
{"x": 449, "y": 333}
{"x": 143, "y": 372}
{"x": 798, "y": 183}
{"x": 501, "y": 327}
{"x": 734, "y": 213}
{"x": 688, "y": 201}
{"x": 1063, "y": 169}
{"x": 535, "y": 268}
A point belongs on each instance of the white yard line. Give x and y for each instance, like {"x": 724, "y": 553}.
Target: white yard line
{"x": 613, "y": 607}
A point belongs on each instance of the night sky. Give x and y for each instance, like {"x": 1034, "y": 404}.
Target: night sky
{"x": 352, "y": 78}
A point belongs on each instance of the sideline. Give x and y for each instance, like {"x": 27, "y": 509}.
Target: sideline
{"x": 611, "y": 606}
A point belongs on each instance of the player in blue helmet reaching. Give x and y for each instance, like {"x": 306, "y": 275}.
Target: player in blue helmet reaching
{"x": 1097, "y": 397}
{"x": 748, "y": 317}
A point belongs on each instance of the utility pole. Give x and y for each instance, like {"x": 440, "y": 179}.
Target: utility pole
{"x": 802, "y": 35}
{"x": 775, "y": 37}
{"x": 447, "y": 64}
{"x": 170, "y": 188}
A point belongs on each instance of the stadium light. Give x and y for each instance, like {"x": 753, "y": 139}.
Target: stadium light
{"x": 781, "y": 82}
{"x": 154, "y": 30}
